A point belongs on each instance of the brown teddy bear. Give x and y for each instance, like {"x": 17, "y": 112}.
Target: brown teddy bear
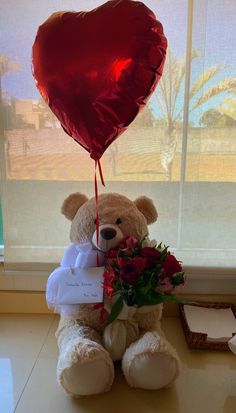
{"x": 87, "y": 350}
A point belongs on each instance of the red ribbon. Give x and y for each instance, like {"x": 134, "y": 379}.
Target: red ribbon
{"x": 100, "y": 172}
{"x": 96, "y": 199}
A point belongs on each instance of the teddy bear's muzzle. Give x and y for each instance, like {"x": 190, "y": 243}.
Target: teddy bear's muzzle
{"x": 109, "y": 237}
{"x": 108, "y": 233}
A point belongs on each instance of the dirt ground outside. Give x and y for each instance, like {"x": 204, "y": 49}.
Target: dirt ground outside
{"x": 136, "y": 156}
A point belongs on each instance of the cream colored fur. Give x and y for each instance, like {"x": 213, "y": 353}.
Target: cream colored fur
{"x": 85, "y": 366}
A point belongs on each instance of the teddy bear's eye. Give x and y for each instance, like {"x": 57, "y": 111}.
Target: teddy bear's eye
{"x": 118, "y": 221}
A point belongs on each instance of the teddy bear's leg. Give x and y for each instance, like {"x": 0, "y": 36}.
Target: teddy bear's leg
{"x": 84, "y": 366}
{"x": 150, "y": 362}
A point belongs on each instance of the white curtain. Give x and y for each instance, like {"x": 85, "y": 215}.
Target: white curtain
{"x": 185, "y": 161}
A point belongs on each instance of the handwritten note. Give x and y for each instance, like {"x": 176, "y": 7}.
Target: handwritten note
{"x": 80, "y": 285}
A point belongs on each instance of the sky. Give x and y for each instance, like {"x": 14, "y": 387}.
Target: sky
{"x": 213, "y": 35}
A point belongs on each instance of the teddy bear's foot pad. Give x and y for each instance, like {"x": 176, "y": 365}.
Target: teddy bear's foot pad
{"x": 85, "y": 377}
{"x": 149, "y": 363}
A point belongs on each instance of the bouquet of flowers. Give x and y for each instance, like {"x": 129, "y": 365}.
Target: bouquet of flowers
{"x": 140, "y": 273}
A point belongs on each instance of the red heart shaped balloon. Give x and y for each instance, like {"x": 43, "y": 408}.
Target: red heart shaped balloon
{"x": 97, "y": 69}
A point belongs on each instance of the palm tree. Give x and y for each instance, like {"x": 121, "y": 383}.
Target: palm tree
{"x": 229, "y": 106}
{"x": 170, "y": 91}
{"x": 6, "y": 65}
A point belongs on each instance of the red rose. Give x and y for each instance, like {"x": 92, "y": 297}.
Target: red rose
{"x": 128, "y": 244}
{"x": 111, "y": 253}
{"x": 109, "y": 278}
{"x": 130, "y": 270}
{"x": 165, "y": 286}
{"x": 171, "y": 265}
{"x": 152, "y": 255}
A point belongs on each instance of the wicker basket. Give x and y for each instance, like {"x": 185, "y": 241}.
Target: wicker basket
{"x": 199, "y": 340}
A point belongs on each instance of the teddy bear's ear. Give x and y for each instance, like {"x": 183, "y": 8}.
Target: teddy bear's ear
{"x": 147, "y": 207}
{"x": 72, "y": 203}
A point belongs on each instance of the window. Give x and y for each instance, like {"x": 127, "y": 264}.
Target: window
{"x": 180, "y": 150}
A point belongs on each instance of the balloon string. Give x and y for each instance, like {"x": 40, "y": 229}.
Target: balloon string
{"x": 100, "y": 172}
{"x": 96, "y": 202}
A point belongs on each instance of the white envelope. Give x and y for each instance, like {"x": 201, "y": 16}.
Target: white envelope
{"x": 79, "y": 285}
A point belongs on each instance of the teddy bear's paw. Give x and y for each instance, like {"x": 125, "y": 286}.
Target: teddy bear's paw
{"x": 85, "y": 369}
{"x": 150, "y": 363}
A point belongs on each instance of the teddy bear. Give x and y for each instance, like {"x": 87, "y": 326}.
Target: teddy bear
{"x": 87, "y": 347}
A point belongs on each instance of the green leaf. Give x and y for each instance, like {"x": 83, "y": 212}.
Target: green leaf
{"x": 128, "y": 296}
{"x": 115, "y": 310}
{"x": 154, "y": 298}
{"x": 164, "y": 254}
{"x": 177, "y": 278}
{"x": 169, "y": 297}
{"x": 148, "y": 299}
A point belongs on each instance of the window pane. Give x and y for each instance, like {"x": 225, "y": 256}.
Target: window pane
{"x": 209, "y": 230}
{"x": 43, "y": 165}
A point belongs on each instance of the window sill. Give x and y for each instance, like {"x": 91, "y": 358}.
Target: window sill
{"x": 200, "y": 280}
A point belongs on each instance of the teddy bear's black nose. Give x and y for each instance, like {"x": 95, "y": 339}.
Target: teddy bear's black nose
{"x": 108, "y": 233}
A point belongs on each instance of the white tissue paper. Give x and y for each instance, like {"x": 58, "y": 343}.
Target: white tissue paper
{"x": 218, "y": 323}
